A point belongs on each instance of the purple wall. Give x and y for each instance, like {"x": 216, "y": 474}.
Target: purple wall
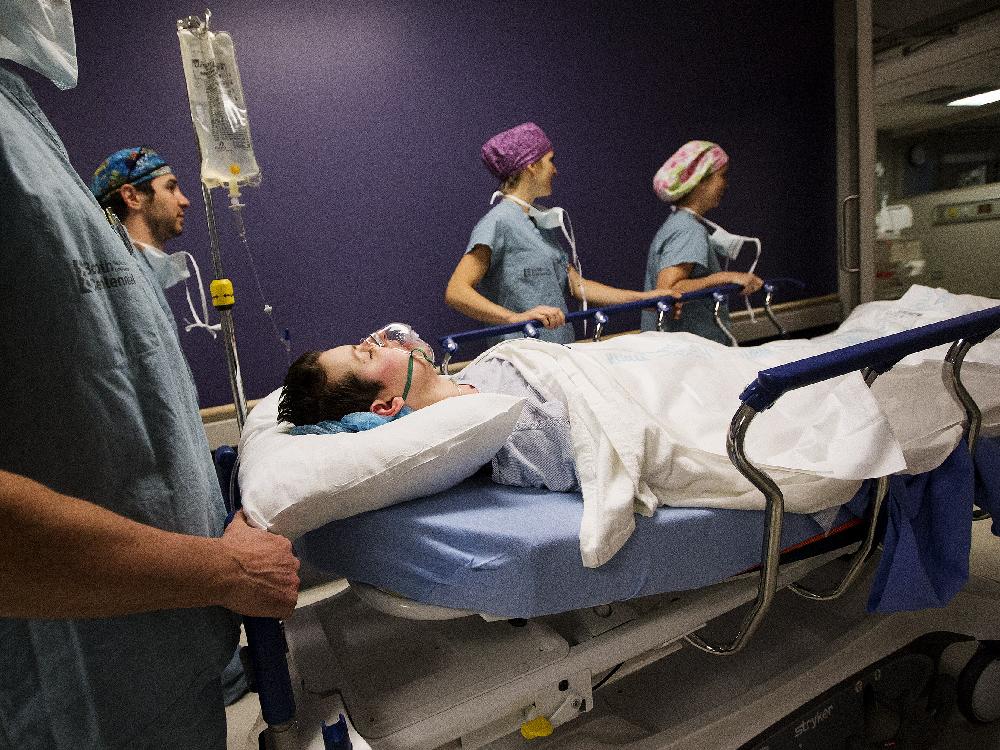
{"x": 367, "y": 121}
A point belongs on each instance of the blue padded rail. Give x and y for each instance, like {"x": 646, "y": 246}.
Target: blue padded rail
{"x": 451, "y": 342}
{"x": 880, "y": 355}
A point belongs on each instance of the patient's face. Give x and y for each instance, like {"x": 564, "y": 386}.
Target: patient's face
{"x": 386, "y": 365}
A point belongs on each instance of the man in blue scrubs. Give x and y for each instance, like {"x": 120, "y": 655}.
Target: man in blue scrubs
{"x": 141, "y": 189}
{"x": 111, "y": 510}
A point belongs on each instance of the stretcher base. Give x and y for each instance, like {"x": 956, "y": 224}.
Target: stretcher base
{"x": 469, "y": 683}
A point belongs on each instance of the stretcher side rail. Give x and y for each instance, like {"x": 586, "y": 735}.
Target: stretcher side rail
{"x": 872, "y": 358}
{"x": 264, "y": 658}
{"x": 601, "y": 315}
{"x": 770, "y": 286}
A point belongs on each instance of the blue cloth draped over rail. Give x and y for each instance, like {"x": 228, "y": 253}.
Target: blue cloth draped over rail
{"x": 925, "y": 557}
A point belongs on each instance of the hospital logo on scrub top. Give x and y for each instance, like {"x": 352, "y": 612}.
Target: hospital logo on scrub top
{"x": 97, "y": 277}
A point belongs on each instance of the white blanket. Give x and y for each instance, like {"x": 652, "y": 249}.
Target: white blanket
{"x": 649, "y": 416}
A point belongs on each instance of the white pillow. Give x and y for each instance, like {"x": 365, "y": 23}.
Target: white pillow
{"x": 292, "y": 484}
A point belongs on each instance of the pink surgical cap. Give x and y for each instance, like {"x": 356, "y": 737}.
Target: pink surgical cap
{"x": 685, "y": 169}
{"x": 507, "y": 153}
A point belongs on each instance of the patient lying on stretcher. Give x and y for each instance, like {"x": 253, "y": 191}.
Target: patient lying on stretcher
{"x": 634, "y": 422}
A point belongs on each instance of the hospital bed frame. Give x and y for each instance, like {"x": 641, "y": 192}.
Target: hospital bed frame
{"x": 675, "y": 620}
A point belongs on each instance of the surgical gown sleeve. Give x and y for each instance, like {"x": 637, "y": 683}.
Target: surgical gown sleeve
{"x": 682, "y": 240}
{"x": 98, "y": 403}
{"x": 489, "y": 231}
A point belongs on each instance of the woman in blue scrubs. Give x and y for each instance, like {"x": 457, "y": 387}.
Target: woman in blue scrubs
{"x": 681, "y": 256}
{"x": 515, "y": 267}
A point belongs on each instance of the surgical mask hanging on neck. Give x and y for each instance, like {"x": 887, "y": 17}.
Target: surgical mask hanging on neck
{"x": 171, "y": 269}
{"x": 724, "y": 243}
{"x": 39, "y": 35}
{"x": 168, "y": 268}
{"x": 553, "y": 218}
{"x": 728, "y": 245}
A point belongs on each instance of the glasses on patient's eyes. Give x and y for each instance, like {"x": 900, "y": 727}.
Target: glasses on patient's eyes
{"x": 400, "y": 335}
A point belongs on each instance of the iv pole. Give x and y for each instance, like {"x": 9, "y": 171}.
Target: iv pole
{"x": 223, "y": 298}
{"x": 268, "y": 668}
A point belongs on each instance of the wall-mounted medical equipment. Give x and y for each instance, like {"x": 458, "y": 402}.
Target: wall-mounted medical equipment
{"x": 955, "y": 213}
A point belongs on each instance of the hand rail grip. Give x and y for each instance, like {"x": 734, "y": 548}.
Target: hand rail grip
{"x": 774, "y": 513}
{"x": 842, "y": 259}
{"x": 717, "y": 317}
{"x": 859, "y": 556}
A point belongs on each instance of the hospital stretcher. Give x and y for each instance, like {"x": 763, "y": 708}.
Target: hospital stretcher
{"x": 553, "y": 631}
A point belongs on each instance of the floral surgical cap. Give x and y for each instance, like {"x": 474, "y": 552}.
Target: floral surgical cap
{"x": 686, "y": 168}
{"x": 129, "y": 166}
{"x": 507, "y": 153}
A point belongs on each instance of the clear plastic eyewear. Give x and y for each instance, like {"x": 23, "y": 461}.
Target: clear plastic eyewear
{"x": 401, "y": 335}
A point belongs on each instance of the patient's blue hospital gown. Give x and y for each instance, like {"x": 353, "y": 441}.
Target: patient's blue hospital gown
{"x": 539, "y": 451}
{"x": 98, "y": 402}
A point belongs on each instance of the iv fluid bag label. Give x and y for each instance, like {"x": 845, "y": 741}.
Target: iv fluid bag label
{"x": 218, "y": 108}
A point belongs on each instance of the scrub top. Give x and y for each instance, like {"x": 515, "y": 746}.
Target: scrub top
{"x": 682, "y": 239}
{"x": 527, "y": 266}
{"x": 97, "y": 402}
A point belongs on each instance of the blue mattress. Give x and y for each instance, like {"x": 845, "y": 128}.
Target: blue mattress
{"x": 515, "y": 552}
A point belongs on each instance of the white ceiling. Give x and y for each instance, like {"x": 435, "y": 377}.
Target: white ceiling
{"x": 929, "y": 52}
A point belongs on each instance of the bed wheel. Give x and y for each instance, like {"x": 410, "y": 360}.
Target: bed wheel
{"x": 979, "y": 685}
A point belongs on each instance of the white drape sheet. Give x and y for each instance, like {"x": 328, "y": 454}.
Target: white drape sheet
{"x": 649, "y": 416}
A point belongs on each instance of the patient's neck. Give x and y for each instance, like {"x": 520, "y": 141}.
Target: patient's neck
{"x": 439, "y": 389}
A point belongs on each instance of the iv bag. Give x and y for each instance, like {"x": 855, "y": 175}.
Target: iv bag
{"x": 218, "y": 108}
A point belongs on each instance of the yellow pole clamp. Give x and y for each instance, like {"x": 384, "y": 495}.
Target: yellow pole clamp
{"x": 222, "y": 294}
{"x": 537, "y": 727}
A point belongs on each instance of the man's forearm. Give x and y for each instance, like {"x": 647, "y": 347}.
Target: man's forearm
{"x": 65, "y": 557}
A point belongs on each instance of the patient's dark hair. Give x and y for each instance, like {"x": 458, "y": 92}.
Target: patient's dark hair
{"x": 308, "y": 397}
